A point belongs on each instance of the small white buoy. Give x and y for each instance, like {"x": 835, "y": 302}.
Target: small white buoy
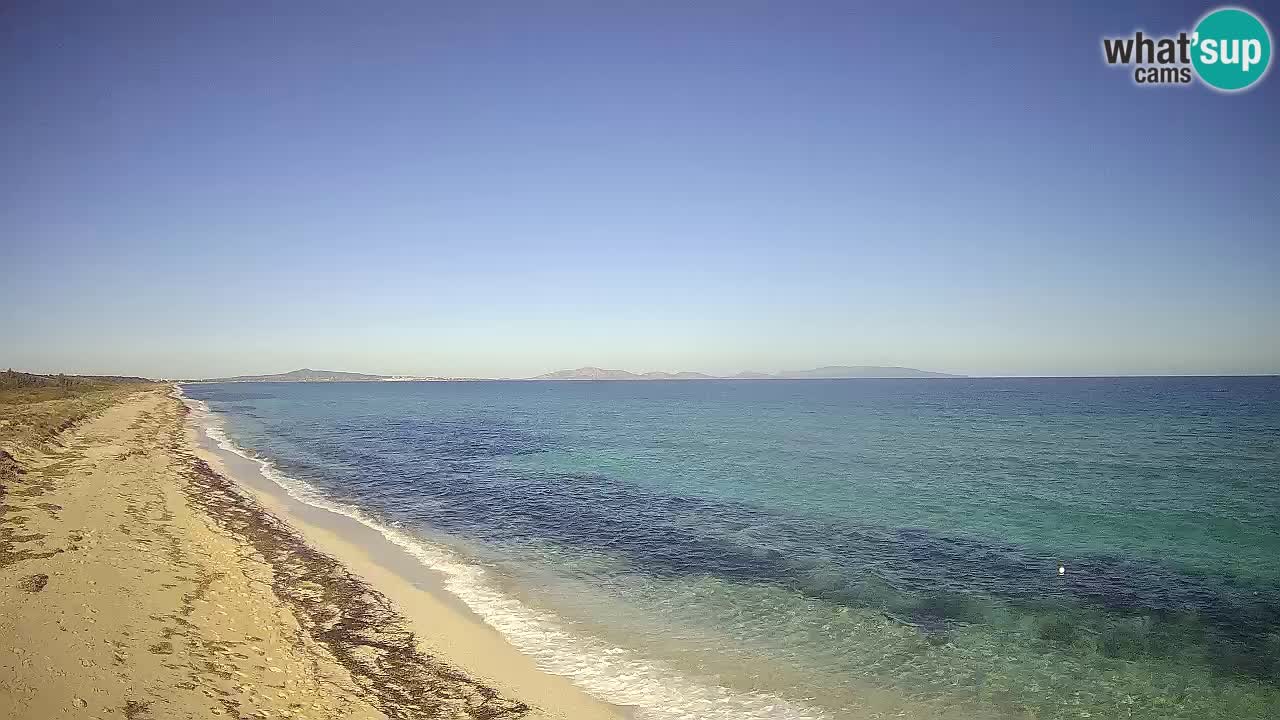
{"x": 1061, "y": 569}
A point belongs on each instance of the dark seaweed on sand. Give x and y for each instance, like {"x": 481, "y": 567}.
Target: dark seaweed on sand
{"x": 355, "y": 622}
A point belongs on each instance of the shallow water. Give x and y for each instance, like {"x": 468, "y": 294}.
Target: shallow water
{"x": 829, "y": 548}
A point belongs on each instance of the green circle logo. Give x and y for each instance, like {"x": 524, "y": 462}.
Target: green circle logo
{"x": 1232, "y": 49}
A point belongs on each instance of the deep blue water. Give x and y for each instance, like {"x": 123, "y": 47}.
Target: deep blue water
{"x": 845, "y": 547}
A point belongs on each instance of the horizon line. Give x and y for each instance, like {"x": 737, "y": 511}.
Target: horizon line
{"x": 942, "y": 375}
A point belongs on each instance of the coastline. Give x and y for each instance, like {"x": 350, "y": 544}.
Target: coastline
{"x": 138, "y": 580}
{"x": 462, "y": 617}
{"x": 445, "y": 627}
{"x": 501, "y": 507}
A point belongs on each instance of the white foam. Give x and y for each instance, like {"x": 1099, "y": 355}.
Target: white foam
{"x": 612, "y": 674}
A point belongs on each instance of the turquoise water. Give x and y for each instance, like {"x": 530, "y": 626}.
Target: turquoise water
{"x": 830, "y": 549}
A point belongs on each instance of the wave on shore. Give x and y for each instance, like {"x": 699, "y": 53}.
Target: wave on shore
{"x": 610, "y": 673}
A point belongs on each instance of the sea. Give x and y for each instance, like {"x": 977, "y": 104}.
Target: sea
{"x": 806, "y": 549}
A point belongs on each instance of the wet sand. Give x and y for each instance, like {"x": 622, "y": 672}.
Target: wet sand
{"x": 143, "y": 574}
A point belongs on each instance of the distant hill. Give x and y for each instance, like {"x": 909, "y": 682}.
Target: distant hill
{"x": 308, "y": 375}
{"x": 589, "y": 373}
{"x": 828, "y": 372}
{"x": 686, "y": 375}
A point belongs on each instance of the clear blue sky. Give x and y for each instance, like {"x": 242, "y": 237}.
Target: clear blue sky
{"x": 502, "y": 189}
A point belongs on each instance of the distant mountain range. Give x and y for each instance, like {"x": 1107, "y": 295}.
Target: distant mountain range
{"x": 829, "y": 372}
{"x": 595, "y": 373}
{"x": 309, "y": 375}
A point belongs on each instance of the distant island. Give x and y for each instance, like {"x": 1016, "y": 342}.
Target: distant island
{"x": 309, "y": 375}
{"x": 829, "y": 372}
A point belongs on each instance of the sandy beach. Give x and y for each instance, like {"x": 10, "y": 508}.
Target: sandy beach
{"x": 144, "y": 575}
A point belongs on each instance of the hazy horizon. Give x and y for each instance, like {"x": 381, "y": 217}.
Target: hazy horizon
{"x": 502, "y": 191}
{"x": 724, "y": 375}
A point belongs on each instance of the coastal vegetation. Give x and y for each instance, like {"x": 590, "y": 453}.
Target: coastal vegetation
{"x": 35, "y": 408}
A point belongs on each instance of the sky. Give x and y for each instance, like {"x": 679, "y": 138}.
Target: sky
{"x": 503, "y": 189}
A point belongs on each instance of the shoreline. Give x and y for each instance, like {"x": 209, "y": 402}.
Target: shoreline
{"x": 138, "y": 580}
{"x": 120, "y": 594}
{"x": 495, "y": 637}
{"x": 445, "y": 627}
